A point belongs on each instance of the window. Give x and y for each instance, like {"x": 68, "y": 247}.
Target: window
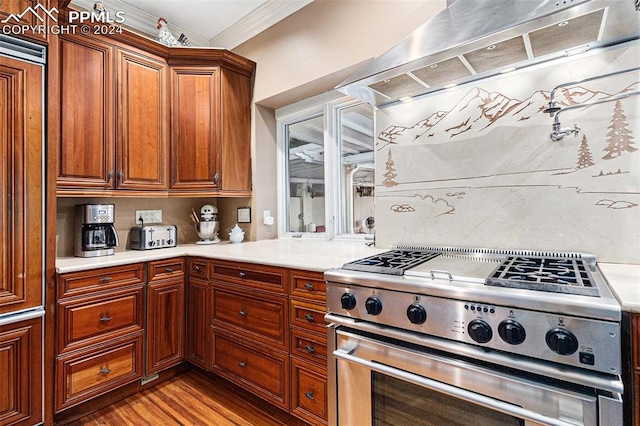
{"x": 326, "y": 169}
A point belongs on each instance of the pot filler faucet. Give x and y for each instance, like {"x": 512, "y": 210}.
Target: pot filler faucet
{"x": 553, "y": 109}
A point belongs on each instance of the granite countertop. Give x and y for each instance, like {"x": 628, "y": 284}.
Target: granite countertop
{"x": 315, "y": 255}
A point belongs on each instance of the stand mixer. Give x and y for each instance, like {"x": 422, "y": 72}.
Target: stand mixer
{"x": 207, "y": 225}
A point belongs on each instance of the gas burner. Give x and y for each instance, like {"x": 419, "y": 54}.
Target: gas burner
{"x": 393, "y": 262}
{"x": 556, "y": 275}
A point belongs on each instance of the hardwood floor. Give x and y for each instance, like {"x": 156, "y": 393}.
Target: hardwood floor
{"x": 191, "y": 399}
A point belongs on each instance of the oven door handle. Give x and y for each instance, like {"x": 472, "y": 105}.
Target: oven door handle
{"x": 456, "y": 392}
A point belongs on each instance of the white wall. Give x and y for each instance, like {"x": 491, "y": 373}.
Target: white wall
{"x": 308, "y": 53}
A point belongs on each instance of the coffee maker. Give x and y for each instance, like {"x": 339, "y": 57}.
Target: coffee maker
{"x": 95, "y": 233}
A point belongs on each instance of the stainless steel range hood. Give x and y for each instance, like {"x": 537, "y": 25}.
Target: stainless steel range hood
{"x": 474, "y": 39}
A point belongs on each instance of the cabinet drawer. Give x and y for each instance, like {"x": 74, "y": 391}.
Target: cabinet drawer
{"x": 308, "y": 315}
{"x": 250, "y": 275}
{"x": 308, "y": 284}
{"x": 261, "y": 371}
{"x": 309, "y": 346}
{"x": 77, "y": 283}
{"x": 308, "y": 392}
{"x": 199, "y": 268}
{"x": 88, "y": 320}
{"x": 84, "y": 375}
{"x": 167, "y": 268}
{"x": 257, "y": 317}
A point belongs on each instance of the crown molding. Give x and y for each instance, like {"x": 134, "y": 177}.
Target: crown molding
{"x": 269, "y": 13}
{"x": 140, "y": 21}
{"x": 263, "y": 17}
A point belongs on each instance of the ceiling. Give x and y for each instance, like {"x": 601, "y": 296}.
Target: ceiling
{"x": 215, "y": 23}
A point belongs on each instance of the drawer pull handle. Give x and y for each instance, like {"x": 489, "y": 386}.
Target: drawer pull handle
{"x": 105, "y": 319}
{"x": 308, "y": 286}
{"x": 309, "y": 395}
{"x": 169, "y": 269}
{"x": 105, "y": 279}
{"x": 243, "y": 364}
{"x": 105, "y": 371}
{"x": 242, "y": 313}
{"x": 242, "y": 274}
{"x": 310, "y": 349}
{"x": 309, "y": 318}
{"x": 197, "y": 268}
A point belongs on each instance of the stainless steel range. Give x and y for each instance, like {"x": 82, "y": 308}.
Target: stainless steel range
{"x": 475, "y": 335}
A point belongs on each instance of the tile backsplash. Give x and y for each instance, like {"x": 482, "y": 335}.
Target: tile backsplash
{"x": 475, "y": 166}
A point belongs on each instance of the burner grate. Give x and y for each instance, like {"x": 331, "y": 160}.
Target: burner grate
{"x": 393, "y": 262}
{"x": 557, "y": 275}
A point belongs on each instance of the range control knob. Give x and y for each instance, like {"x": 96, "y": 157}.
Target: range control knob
{"x": 479, "y": 331}
{"x": 416, "y": 314}
{"x": 348, "y": 301}
{"x": 373, "y": 305}
{"x": 561, "y": 341}
{"x": 511, "y": 332}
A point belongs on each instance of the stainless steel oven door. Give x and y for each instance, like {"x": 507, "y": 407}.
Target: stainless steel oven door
{"x": 385, "y": 382}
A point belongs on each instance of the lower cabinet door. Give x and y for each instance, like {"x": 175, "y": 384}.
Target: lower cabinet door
{"x": 21, "y": 373}
{"x": 165, "y": 324}
{"x": 85, "y": 374}
{"x": 258, "y": 369}
{"x": 308, "y": 392}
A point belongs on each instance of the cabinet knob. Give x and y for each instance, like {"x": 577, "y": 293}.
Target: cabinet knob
{"x": 310, "y": 349}
{"x": 197, "y": 268}
{"x": 105, "y": 319}
{"x": 243, "y": 364}
{"x": 120, "y": 175}
{"x": 308, "y": 286}
{"x": 309, "y": 395}
{"x": 169, "y": 269}
{"x": 242, "y": 313}
{"x": 109, "y": 176}
{"x": 105, "y": 279}
{"x": 216, "y": 178}
{"x": 309, "y": 318}
{"x": 105, "y": 371}
{"x": 242, "y": 274}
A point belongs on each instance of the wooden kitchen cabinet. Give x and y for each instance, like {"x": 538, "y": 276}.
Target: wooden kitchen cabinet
{"x": 248, "y": 326}
{"x": 22, "y": 262}
{"x": 635, "y": 360}
{"x": 307, "y": 303}
{"x": 86, "y": 147}
{"x": 165, "y": 315}
{"x": 17, "y": 8}
{"x": 21, "y": 373}
{"x": 100, "y": 328}
{"x": 211, "y": 124}
{"x": 114, "y": 109}
{"x": 197, "y": 307}
{"x": 21, "y": 192}
{"x": 142, "y": 127}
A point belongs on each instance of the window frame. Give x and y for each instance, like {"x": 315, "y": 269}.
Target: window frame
{"x": 329, "y": 105}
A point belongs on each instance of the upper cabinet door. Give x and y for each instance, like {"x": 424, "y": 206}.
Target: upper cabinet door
{"x": 142, "y": 122}
{"x": 21, "y": 191}
{"x": 38, "y": 19}
{"x": 195, "y": 120}
{"x": 86, "y": 147}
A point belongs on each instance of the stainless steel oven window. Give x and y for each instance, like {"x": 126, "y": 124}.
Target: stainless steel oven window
{"x": 396, "y": 402}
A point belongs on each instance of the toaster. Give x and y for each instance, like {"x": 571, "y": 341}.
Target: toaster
{"x": 150, "y": 237}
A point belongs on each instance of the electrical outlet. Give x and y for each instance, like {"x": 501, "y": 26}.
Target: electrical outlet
{"x": 149, "y": 216}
